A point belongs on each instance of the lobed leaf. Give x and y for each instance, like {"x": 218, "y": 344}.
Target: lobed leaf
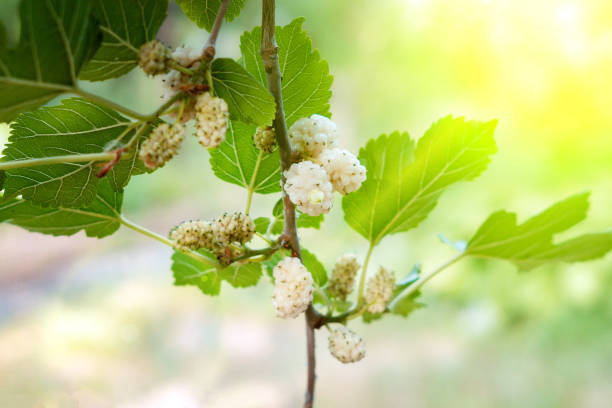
{"x": 403, "y": 183}
{"x": 125, "y": 26}
{"x": 238, "y": 161}
{"x": 306, "y": 83}
{"x": 204, "y": 12}
{"x": 57, "y": 38}
{"x": 99, "y": 219}
{"x": 247, "y": 100}
{"x": 74, "y": 127}
{"x": 530, "y": 244}
{"x": 190, "y": 271}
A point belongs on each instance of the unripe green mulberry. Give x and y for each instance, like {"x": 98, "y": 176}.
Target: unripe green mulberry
{"x": 194, "y": 235}
{"x": 343, "y": 276}
{"x": 265, "y": 139}
{"x": 162, "y": 145}
{"x": 236, "y": 227}
{"x": 346, "y": 345}
{"x": 153, "y": 58}
{"x": 380, "y": 290}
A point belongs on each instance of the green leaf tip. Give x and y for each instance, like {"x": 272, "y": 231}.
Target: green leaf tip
{"x": 531, "y": 243}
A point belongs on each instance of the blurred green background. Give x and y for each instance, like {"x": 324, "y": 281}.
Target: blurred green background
{"x": 87, "y": 323}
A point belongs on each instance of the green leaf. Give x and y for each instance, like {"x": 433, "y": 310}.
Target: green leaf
{"x": 273, "y": 260}
{"x": 190, "y": 271}
{"x": 74, "y": 127}
{"x": 314, "y": 266}
{"x": 57, "y": 38}
{"x": 247, "y": 100}
{"x": 125, "y": 26}
{"x": 404, "y": 305}
{"x": 238, "y": 161}
{"x": 261, "y": 224}
{"x": 306, "y": 83}
{"x": 99, "y": 219}
{"x": 204, "y": 12}
{"x": 403, "y": 184}
{"x": 309, "y": 221}
{"x": 530, "y": 244}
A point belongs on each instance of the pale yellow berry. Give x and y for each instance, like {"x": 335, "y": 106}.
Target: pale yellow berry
{"x": 212, "y": 117}
{"x": 162, "y": 145}
{"x": 292, "y": 288}
{"x": 194, "y": 235}
{"x": 346, "y": 345}
{"x": 380, "y": 291}
{"x": 153, "y": 58}
{"x": 342, "y": 278}
{"x": 265, "y": 139}
{"x": 236, "y": 227}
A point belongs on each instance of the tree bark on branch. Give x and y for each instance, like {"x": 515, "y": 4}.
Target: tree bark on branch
{"x": 289, "y": 237}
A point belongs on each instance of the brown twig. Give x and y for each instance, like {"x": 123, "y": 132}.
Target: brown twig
{"x": 289, "y": 237}
{"x": 209, "y": 49}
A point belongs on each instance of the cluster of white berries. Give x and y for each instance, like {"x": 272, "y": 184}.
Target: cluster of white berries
{"x": 216, "y": 236}
{"x": 162, "y": 145}
{"x": 292, "y": 288}
{"x": 342, "y": 279}
{"x": 212, "y": 118}
{"x": 211, "y": 112}
{"x": 325, "y": 168}
{"x": 346, "y": 345}
{"x": 380, "y": 290}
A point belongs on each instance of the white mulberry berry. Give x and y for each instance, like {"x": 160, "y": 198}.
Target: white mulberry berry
{"x": 153, "y": 58}
{"x": 236, "y": 227}
{"x": 308, "y": 187}
{"x": 345, "y": 172}
{"x": 310, "y": 136}
{"x": 380, "y": 290}
{"x": 265, "y": 139}
{"x": 292, "y": 288}
{"x": 194, "y": 235}
{"x": 343, "y": 276}
{"x": 174, "y": 80}
{"x": 346, "y": 345}
{"x": 212, "y": 116}
{"x": 162, "y": 145}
